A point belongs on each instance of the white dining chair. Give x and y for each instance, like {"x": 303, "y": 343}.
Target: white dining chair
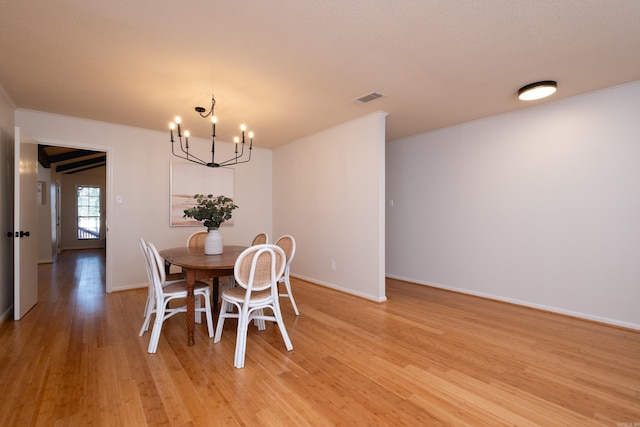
{"x": 288, "y": 244}
{"x": 256, "y": 271}
{"x": 150, "y": 293}
{"x": 260, "y": 239}
{"x": 196, "y": 240}
{"x": 164, "y": 293}
{"x": 151, "y": 301}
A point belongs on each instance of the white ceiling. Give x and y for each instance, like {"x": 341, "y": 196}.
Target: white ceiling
{"x": 289, "y": 68}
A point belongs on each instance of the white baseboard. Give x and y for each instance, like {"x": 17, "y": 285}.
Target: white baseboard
{"x": 341, "y": 289}
{"x": 77, "y": 248}
{"x": 551, "y": 309}
{"x": 130, "y": 287}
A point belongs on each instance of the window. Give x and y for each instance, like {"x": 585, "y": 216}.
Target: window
{"x": 88, "y": 204}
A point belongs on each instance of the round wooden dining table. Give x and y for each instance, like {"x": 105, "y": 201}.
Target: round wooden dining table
{"x": 195, "y": 266}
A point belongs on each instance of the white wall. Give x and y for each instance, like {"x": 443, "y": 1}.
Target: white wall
{"x": 329, "y": 194}
{"x": 138, "y": 163}
{"x": 7, "y": 134}
{"x": 539, "y": 207}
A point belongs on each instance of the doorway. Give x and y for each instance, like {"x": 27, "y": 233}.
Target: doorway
{"x": 63, "y": 171}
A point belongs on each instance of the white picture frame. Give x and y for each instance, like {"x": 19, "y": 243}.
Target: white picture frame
{"x": 188, "y": 179}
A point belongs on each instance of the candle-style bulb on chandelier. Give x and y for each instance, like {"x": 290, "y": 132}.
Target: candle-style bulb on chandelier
{"x": 184, "y": 153}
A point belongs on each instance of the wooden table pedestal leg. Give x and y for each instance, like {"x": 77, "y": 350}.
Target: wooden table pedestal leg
{"x": 216, "y": 293}
{"x": 190, "y": 276}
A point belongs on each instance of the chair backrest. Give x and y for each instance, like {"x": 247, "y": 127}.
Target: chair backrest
{"x": 147, "y": 261}
{"x": 259, "y": 267}
{"x": 288, "y": 244}
{"x": 260, "y": 239}
{"x": 196, "y": 240}
{"x": 157, "y": 263}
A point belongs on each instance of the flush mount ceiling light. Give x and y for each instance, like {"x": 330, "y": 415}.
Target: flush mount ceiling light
{"x": 537, "y": 90}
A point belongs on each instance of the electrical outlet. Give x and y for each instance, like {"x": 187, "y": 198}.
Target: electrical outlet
{"x": 333, "y": 264}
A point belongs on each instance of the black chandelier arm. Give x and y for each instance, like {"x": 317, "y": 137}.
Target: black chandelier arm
{"x": 213, "y": 145}
{"x": 189, "y": 157}
{"x": 229, "y": 162}
{"x": 243, "y": 143}
{"x": 234, "y": 163}
{"x": 234, "y": 160}
{"x": 236, "y": 149}
{"x": 186, "y": 151}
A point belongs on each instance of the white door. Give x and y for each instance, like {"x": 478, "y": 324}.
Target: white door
{"x": 25, "y": 267}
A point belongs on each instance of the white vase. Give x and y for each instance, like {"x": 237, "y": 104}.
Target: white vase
{"x": 213, "y": 243}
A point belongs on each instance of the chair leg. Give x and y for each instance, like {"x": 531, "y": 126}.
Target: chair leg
{"x": 155, "y": 332}
{"x": 283, "y": 331}
{"x": 221, "y": 317}
{"x": 259, "y": 320}
{"x": 147, "y": 321}
{"x": 149, "y": 305}
{"x": 241, "y": 339}
{"x": 198, "y": 304}
{"x": 287, "y": 284}
{"x": 207, "y": 304}
{"x": 149, "y": 309}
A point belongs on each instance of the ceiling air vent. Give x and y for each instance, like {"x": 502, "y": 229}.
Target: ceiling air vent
{"x": 369, "y": 97}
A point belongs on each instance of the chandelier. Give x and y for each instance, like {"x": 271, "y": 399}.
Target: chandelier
{"x": 183, "y": 153}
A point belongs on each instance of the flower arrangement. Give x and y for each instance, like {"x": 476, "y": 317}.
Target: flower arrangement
{"x": 212, "y": 211}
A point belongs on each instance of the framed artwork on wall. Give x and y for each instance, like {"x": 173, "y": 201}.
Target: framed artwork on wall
{"x": 190, "y": 179}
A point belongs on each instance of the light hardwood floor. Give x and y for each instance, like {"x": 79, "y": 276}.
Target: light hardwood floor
{"x": 426, "y": 357}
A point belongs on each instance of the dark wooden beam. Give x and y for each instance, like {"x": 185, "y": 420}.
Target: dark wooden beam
{"x": 82, "y": 163}
{"x": 71, "y": 155}
{"x": 47, "y": 160}
{"x": 87, "y": 168}
{"x": 43, "y": 157}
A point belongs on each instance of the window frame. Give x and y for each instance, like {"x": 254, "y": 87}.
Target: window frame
{"x": 91, "y": 233}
